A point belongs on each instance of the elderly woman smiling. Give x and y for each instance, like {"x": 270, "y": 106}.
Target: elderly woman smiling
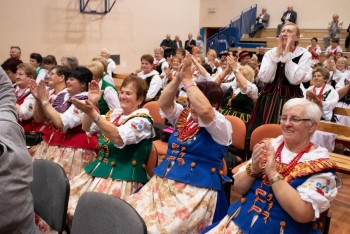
{"x": 288, "y": 182}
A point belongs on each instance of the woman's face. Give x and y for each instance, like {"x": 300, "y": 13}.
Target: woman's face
{"x": 296, "y": 133}
{"x": 318, "y": 79}
{"x": 48, "y": 66}
{"x": 146, "y": 67}
{"x": 22, "y": 80}
{"x": 157, "y": 55}
{"x": 199, "y": 60}
{"x": 289, "y": 31}
{"x": 128, "y": 99}
{"x": 53, "y": 79}
{"x": 313, "y": 42}
{"x": 340, "y": 65}
{"x": 74, "y": 86}
{"x": 11, "y": 75}
{"x": 175, "y": 64}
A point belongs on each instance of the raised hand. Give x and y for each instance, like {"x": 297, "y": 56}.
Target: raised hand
{"x": 33, "y": 86}
{"x": 94, "y": 93}
{"x": 232, "y": 62}
{"x": 42, "y": 93}
{"x": 258, "y": 158}
{"x": 84, "y": 105}
{"x": 270, "y": 166}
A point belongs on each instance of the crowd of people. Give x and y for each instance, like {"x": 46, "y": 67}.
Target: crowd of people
{"x": 102, "y": 136}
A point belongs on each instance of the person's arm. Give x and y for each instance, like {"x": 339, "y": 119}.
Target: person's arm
{"x": 297, "y": 72}
{"x": 166, "y": 100}
{"x": 343, "y": 90}
{"x": 266, "y": 18}
{"x": 200, "y": 68}
{"x": 268, "y": 66}
{"x": 110, "y": 95}
{"x": 288, "y": 197}
{"x": 7, "y": 98}
{"x": 293, "y": 17}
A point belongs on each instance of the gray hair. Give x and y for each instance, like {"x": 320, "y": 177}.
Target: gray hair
{"x": 312, "y": 111}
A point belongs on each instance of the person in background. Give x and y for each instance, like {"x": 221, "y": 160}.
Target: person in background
{"x": 181, "y": 52}
{"x": 260, "y": 54}
{"x": 289, "y": 16}
{"x": 195, "y": 51}
{"x": 177, "y": 43}
{"x": 334, "y": 30}
{"x": 160, "y": 63}
{"x": 152, "y": 78}
{"x": 199, "y": 44}
{"x": 347, "y": 39}
{"x": 36, "y": 60}
{"x": 71, "y": 62}
{"x": 168, "y": 46}
{"x": 16, "y": 170}
{"x": 15, "y": 52}
{"x": 244, "y": 57}
{"x": 333, "y": 49}
{"x": 323, "y": 94}
{"x": 49, "y": 62}
{"x": 10, "y": 67}
{"x": 109, "y": 98}
{"x": 106, "y": 76}
{"x": 190, "y": 43}
{"x": 315, "y": 51}
{"x": 184, "y": 194}
{"x": 262, "y": 20}
{"x": 282, "y": 70}
{"x": 288, "y": 182}
{"x": 111, "y": 64}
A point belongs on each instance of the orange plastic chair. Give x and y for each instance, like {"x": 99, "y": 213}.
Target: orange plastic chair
{"x": 238, "y": 132}
{"x": 153, "y": 108}
{"x": 264, "y": 131}
{"x": 152, "y": 161}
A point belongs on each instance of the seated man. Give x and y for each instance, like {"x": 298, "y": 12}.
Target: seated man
{"x": 262, "y": 21}
{"x": 288, "y": 16}
{"x": 334, "y": 29}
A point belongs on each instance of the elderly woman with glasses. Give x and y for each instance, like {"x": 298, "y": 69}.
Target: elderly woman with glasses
{"x": 288, "y": 182}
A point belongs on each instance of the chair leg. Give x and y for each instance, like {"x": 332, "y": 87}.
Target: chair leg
{"x": 327, "y": 224}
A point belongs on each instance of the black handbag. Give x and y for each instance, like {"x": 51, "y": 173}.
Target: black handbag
{"x": 33, "y": 138}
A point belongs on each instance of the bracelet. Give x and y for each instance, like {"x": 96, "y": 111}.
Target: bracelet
{"x": 45, "y": 103}
{"x": 96, "y": 119}
{"x": 248, "y": 168}
{"x": 235, "y": 71}
{"x": 189, "y": 85}
{"x": 275, "y": 179}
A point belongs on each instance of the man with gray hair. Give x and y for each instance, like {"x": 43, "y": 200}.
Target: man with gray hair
{"x": 262, "y": 21}
{"x": 15, "y": 52}
{"x": 334, "y": 29}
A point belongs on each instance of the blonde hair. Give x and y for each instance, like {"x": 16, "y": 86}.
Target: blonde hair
{"x": 96, "y": 68}
{"x": 212, "y": 53}
{"x": 247, "y": 72}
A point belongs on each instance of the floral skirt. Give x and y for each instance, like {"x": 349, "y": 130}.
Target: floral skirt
{"x": 73, "y": 160}
{"x": 226, "y": 226}
{"x": 168, "y": 206}
{"x": 85, "y": 183}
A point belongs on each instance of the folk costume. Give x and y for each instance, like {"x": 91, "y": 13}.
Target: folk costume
{"x": 311, "y": 172}
{"x": 183, "y": 195}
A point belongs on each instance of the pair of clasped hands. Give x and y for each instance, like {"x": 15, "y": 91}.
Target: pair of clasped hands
{"x": 263, "y": 159}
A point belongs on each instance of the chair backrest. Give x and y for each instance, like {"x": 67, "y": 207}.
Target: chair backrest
{"x": 104, "y": 214}
{"x": 264, "y": 131}
{"x": 153, "y": 109}
{"x": 152, "y": 161}
{"x": 238, "y": 131}
{"x": 50, "y": 189}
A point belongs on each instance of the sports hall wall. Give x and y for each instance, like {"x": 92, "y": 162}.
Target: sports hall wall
{"x": 133, "y": 27}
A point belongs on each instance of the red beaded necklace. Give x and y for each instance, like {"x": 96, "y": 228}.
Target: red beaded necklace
{"x": 190, "y": 129}
{"x": 321, "y": 91}
{"x": 294, "y": 161}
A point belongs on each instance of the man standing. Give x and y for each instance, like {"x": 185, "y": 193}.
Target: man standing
{"x": 15, "y": 52}
{"x": 168, "y": 46}
{"x": 177, "y": 42}
{"x": 288, "y": 16}
{"x": 262, "y": 21}
{"x": 190, "y": 43}
{"x": 334, "y": 29}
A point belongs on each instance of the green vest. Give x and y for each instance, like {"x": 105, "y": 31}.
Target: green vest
{"x": 128, "y": 163}
{"x": 102, "y": 104}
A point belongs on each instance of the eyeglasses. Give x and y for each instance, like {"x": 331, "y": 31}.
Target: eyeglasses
{"x": 292, "y": 119}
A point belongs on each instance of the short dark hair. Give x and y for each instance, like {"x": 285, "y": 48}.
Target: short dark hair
{"x": 82, "y": 74}
{"x": 324, "y": 72}
{"x": 62, "y": 70}
{"x": 37, "y": 57}
{"x": 50, "y": 59}
{"x": 314, "y": 38}
{"x": 149, "y": 58}
{"x": 212, "y": 91}
{"x": 11, "y": 64}
{"x": 140, "y": 85}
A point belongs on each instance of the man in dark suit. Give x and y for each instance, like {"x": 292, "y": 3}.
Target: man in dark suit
{"x": 190, "y": 43}
{"x": 168, "y": 46}
{"x": 177, "y": 42}
{"x": 288, "y": 16}
{"x": 261, "y": 22}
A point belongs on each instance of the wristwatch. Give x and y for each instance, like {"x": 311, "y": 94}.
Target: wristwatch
{"x": 276, "y": 178}
{"x": 96, "y": 119}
